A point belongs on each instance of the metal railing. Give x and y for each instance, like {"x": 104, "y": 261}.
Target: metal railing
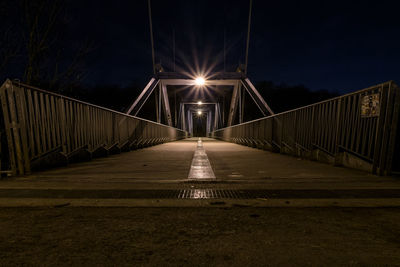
{"x": 42, "y": 129}
{"x": 356, "y": 130}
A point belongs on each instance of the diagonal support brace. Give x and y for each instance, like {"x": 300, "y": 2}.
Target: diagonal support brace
{"x": 144, "y": 95}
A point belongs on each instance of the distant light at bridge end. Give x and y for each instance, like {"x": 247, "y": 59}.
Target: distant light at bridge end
{"x": 199, "y": 103}
{"x": 200, "y": 81}
{"x": 199, "y": 112}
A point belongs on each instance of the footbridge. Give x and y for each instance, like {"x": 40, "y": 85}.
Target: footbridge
{"x": 41, "y": 129}
{"x": 199, "y": 168}
{"x": 52, "y": 141}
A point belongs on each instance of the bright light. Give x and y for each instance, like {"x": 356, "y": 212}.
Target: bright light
{"x": 200, "y": 81}
{"x": 199, "y": 103}
{"x": 199, "y": 112}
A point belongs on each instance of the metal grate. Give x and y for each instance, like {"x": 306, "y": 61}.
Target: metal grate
{"x": 200, "y": 193}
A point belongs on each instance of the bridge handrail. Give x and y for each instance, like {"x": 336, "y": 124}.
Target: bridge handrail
{"x": 43, "y": 128}
{"x": 333, "y": 127}
{"x": 314, "y": 104}
{"x": 17, "y": 83}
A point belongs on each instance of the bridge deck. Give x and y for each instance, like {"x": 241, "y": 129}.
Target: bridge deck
{"x": 167, "y": 166}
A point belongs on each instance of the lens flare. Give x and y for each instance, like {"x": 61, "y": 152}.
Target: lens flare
{"x": 200, "y": 81}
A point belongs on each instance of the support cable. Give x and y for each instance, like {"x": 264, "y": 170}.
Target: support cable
{"x": 151, "y": 37}
{"x": 225, "y": 11}
{"x": 248, "y": 38}
{"x": 173, "y": 44}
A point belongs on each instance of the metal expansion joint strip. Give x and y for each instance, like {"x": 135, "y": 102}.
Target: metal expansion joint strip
{"x": 200, "y": 168}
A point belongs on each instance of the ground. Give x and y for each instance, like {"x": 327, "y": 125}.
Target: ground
{"x": 237, "y": 236}
{"x": 115, "y": 211}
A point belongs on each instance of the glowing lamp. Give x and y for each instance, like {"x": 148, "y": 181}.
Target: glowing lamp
{"x": 199, "y": 81}
{"x": 199, "y": 103}
{"x": 199, "y": 112}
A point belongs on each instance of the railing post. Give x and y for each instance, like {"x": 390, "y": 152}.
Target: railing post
{"x": 295, "y": 134}
{"x": 8, "y": 126}
{"x": 21, "y": 109}
{"x": 379, "y": 131}
{"x": 281, "y": 136}
{"x": 337, "y": 131}
{"x": 61, "y": 121}
{"x": 312, "y": 126}
{"x": 393, "y": 129}
{"x": 387, "y": 129}
{"x": 15, "y": 129}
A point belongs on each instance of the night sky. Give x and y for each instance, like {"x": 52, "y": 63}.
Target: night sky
{"x": 339, "y": 46}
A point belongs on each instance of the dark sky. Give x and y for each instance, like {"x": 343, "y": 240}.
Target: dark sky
{"x": 331, "y": 45}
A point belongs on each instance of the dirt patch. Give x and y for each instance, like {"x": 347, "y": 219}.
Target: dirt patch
{"x": 199, "y": 236}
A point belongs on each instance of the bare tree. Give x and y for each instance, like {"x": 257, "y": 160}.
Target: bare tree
{"x": 41, "y": 19}
{"x": 74, "y": 72}
{"x": 10, "y": 45}
{"x": 9, "y": 49}
{"x": 46, "y": 59}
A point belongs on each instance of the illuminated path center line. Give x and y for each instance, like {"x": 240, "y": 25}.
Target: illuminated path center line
{"x": 200, "y": 168}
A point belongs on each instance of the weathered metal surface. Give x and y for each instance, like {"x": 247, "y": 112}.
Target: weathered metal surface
{"x": 202, "y": 193}
{"x": 165, "y": 101}
{"x": 142, "y": 98}
{"x": 234, "y": 104}
{"x": 201, "y": 167}
{"x": 326, "y": 131}
{"x": 41, "y": 124}
{"x": 213, "y": 75}
{"x": 257, "y": 98}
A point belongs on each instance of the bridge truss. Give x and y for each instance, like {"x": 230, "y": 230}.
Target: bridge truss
{"x": 40, "y": 129}
{"x": 236, "y": 82}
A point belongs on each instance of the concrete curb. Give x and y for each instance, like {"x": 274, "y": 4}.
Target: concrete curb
{"x": 205, "y": 203}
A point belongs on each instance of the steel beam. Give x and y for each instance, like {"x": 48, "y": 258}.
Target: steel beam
{"x": 175, "y": 111}
{"x": 191, "y": 82}
{"x": 165, "y": 101}
{"x": 240, "y": 103}
{"x": 183, "y": 118}
{"x": 159, "y": 104}
{"x": 257, "y": 98}
{"x": 209, "y": 122}
{"x": 179, "y": 116}
{"x": 223, "y": 111}
{"x": 234, "y": 104}
{"x": 243, "y": 101}
{"x": 216, "y": 117}
{"x": 144, "y": 95}
{"x": 156, "y": 99}
{"x": 190, "y": 122}
{"x": 221, "y": 124}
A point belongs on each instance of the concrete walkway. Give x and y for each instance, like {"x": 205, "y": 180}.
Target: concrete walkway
{"x": 140, "y": 208}
{"x": 167, "y": 166}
